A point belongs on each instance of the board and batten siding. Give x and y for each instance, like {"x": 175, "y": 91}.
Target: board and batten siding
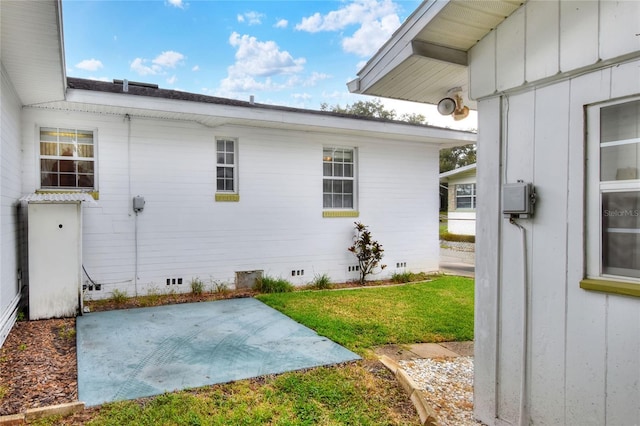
{"x": 277, "y": 226}
{"x": 10, "y": 144}
{"x": 583, "y": 348}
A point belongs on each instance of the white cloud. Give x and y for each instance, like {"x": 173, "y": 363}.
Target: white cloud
{"x": 176, "y": 3}
{"x": 169, "y": 59}
{"x": 261, "y": 58}
{"x": 195, "y": 68}
{"x": 251, "y": 18}
{"x": 376, "y": 21}
{"x": 315, "y": 78}
{"x": 302, "y": 96}
{"x": 282, "y": 23}
{"x": 371, "y": 35}
{"x": 139, "y": 65}
{"x": 172, "y": 79}
{"x": 89, "y": 65}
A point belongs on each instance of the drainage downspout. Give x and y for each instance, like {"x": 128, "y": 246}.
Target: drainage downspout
{"x": 135, "y": 274}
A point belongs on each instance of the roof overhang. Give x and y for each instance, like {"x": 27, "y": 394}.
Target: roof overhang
{"x": 32, "y": 50}
{"x": 99, "y": 97}
{"x": 427, "y": 56}
{"x": 467, "y": 170}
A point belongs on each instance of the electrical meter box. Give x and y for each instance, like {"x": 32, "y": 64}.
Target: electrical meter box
{"x": 518, "y": 199}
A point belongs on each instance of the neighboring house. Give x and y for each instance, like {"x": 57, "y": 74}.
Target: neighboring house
{"x": 229, "y": 187}
{"x": 461, "y": 206}
{"x": 557, "y": 89}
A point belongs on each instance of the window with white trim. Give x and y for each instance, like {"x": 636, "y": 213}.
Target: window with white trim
{"x": 338, "y": 183}
{"x": 67, "y": 158}
{"x": 613, "y": 164}
{"x": 466, "y": 196}
{"x": 226, "y": 165}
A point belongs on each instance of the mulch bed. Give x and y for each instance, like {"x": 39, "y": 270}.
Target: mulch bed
{"x": 38, "y": 359}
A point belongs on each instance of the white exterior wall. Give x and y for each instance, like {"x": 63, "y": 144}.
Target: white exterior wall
{"x": 9, "y": 193}
{"x": 277, "y": 226}
{"x": 583, "y": 349}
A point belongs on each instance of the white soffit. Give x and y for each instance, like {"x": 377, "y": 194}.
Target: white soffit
{"x": 32, "y": 50}
{"x": 427, "y": 55}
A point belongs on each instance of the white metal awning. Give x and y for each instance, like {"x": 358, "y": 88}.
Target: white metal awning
{"x": 59, "y": 197}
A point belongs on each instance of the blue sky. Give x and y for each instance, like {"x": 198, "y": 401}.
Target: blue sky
{"x": 294, "y": 53}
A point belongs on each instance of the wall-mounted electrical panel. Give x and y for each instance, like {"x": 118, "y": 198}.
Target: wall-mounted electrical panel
{"x": 138, "y": 203}
{"x": 518, "y": 199}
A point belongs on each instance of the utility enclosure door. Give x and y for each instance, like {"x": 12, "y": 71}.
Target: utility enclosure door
{"x": 54, "y": 259}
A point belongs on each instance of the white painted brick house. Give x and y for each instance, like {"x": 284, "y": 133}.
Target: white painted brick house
{"x": 229, "y": 186}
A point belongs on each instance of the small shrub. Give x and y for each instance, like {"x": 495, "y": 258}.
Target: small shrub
{"x": 22, "y": 347}
{"x": 409, "y": 277}
{"x": 321, "y": 282}
{"x": 197, "y": 286}
{"x": 219, "y": 287}
{"x": 20, "y": 316}
{"x": 152, "y": 298}
{"x": 67, "y": 333}
{"x": 368, "y": 251}
{"x": 273, "y": 285}
{"x": 3, "y": 392}
{"x": 119, "y": 296}
{"x": 446, "y": 236}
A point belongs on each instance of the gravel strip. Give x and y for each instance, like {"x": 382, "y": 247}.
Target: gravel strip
{"x": 448, "y": 386}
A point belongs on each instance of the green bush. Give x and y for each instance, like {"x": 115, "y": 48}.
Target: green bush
{"x": 269, "y": 284}
{"x": 446, "y": 236}
{"x": 119, "y": 296}
{"x": 197, "y": 286}
{"x": 321, "y": 282}
{"x": 409, "y": 277}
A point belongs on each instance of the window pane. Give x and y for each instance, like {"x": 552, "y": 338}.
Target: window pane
{"x": 85, "y": 151}
{"x": 48, "y": 134}
{"x": 621, "y": 233}
{"x": 228, "y": 158}
{"x": 337, "y": 187}
{"x": 220, "y": 146}
{"x": 337, "y": 201}
{"x": 220, "y": 159}
{"x": 66, "y": 149}
{"x": 338, "y": 170}
{"x": 348, "y": 187}
{"x": 67, "y": 135}
{"x": 85, "y": 181}
{"x": 620, "y": 122}
{"x": 229, "y": 146}
{"x": 49, "y": 165}
{"x": 326, "y": 185}
{"x": 326, "y": 201}
{"x": 48, "y": 148}
{"x": 49, "y": 179}
{"x": 463, "y": 202}
{"x": 348, "y": 170}
{"x": 228, "y": 172}
{"x": 327, "y": 154}
{"x": 464, "y": 189}
{"x": 85, "y": 137}
{"x": 326, "y": 169}
{"x": 67, "y": 180}
{"x": 348, "y": 201}
{"x": 620, "y": 162}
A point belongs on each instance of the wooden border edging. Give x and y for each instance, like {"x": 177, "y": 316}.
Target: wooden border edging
{"x": 37, "y": 413}
{"x": 425, "y": 411}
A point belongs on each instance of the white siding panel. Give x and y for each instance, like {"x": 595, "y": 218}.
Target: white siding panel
{"x": 482, "y": 67}
{"x": 487, "y": 283}
{"x": 578, "y": 34}
{"x": 625, "y": 79}
{"x": 510, "y": 51}
{"x": 9, "y": 194}
{"x": 542, "y": 39}
{"x": 619, "y": 28}
{"x": 548, "y": 285}
{"x": 623, "y": 361}
{"x": 586, "y": 316}
{"x": 277, "y": 225}
{"x": 519, "y": 155}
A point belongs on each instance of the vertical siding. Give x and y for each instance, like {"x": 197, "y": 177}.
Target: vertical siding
{"x": 584, "y": 347}
{"x": 9, "y": 194}
{"x": 487, "y": 278}
{"x": 548, "y": 299}
{"x": 277, "y": 226}
{"x": 544, "y": 38}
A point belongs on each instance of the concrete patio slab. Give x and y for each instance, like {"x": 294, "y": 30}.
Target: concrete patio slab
{"x": 128, "y": 354}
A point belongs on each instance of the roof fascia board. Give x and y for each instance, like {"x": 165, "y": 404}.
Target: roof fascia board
{"x": 399, "y": 42}
{"x": 63, "y": 64}
{"x": 236, "y": 114}
{"x": 458, "y": 171}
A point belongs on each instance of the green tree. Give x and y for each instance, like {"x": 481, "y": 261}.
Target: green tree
{"x": 452, "y": 158}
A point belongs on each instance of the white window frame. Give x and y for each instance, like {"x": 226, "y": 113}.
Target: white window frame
{"x": 472, "y": 196}
{"x": 594, "y": 191}
{"x": 233, "y": 167}
{"x": 74, "y": 157}
{"x": 353, "y": 178}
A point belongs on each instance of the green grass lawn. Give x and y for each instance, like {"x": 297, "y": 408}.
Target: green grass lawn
{"x": 362, "y": 393}
{"x": 359, "y": 319}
